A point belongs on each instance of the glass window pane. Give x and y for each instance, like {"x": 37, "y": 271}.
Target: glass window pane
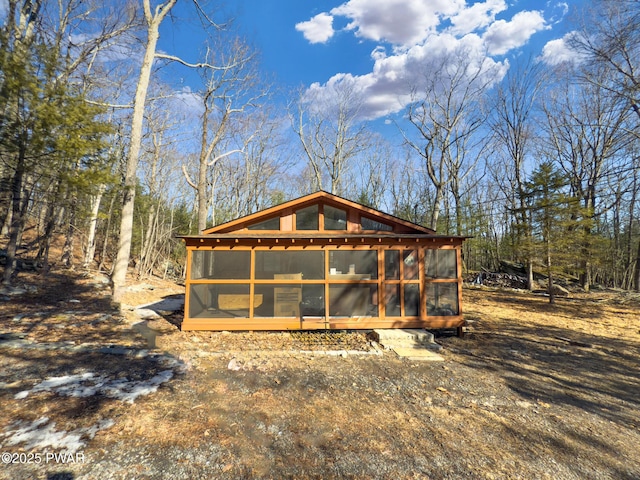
{"x": 392, "y": 264}
{"x": 441, "y": 263}
{"x": 221, "y": 264}
{"x": 290, "y": 300}
{"x": 410, "y": 261}
{"x": 312, "y": 301}
{"x": 353, "y": 264}
{"x": 307, "y": 218}
{"x": 219, "y": 301}
{"x": 371, "y": 224}
{"x": 392, "y": 300}
{"x": 278, "y": 300}
{"x": 308, "y": 264}
{"x": 334, "y": 218}
{"x": 442, "y": 299}
{"x": 353, "y": 300}
{"x": 412, "y": 300}
{"x": 271, "y": 224}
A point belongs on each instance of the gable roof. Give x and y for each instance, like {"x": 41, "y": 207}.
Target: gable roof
{"x": 319, "y": 198}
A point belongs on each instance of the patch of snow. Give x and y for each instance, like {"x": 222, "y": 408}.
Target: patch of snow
{"x": 147, "y": 314}
{"x": 131, "y": 390}
{"x": 234, "y": 365}
{"x": 41, "y": 434}
{"x": 89, "y": 384}
{"x": 56, "y": 383}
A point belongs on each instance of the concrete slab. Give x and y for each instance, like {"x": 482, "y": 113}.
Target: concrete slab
{"x": 418, "y": 354}
{"x": 391, "y": 335}
{"x": 169, "y": 304}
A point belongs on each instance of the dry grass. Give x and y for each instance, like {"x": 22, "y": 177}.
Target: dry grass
{"x": 533, "y": 391}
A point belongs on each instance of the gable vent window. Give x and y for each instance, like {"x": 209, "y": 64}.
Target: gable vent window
{"x": 334, "y": 218}
{"x": 371, "y": 224}
{"x": 307, "y": 218}
{"x": 271, "y": 224}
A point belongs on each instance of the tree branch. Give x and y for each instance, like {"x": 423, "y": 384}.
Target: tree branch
{"x": 173, "y": 58}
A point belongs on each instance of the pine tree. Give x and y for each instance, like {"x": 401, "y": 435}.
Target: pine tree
{"x": 555, "y": 220}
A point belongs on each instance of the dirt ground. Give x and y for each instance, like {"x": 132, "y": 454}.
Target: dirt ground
{"x": 533, "y": 391}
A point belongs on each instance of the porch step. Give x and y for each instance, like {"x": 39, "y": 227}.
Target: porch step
{"x": 399, "y": 335}
{"x": 413, "y": 344}
{"x": 422, "y": 354}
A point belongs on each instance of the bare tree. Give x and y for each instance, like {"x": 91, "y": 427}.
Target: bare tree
{"x": 586, "y": 129}
{"x": 330, "y": 130}
{"x": 230, "y": 80}
{"x": 447, "y": 117}
{"x": 609, "y": 38}
{"x": 153, "y": 20}
{"x": 513, "y": 123}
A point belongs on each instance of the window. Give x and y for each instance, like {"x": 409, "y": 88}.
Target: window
{"x": 353, "y": 300}
{"x": 392, "y": 300}
{"x": 220, "y": 264}
{"x": 441, "y": 263}
{"x": 220, "y": 301}
{"x": 410, "y": 264}
{"x": 289, "y": 300}
{"x": 411, "y": 300}
{"x": 442, "y": 299}
{"x": 353, "y": 264}
{"x": 309, "y": 264}
{"x": 370, "y": 224}
{"x": 334, "y": 218}
{"x": 392, "y": 264}
{"x": 307, "y": 218}
{"x": 270, "y": 224}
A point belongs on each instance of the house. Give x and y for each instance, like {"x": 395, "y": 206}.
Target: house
{"x": 322, "y": 262}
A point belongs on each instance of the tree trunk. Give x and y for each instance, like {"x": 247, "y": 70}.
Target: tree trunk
{"x": 105, "y": 243}
{"x": 67, "y": 250}
{"x": 637, "y": 273}
{"x": 42, "y": 257}
{"x": 5, "y": 202}
{"x": 201, "y": 192}
{"x": 552, "y": 296}
{"x": 435, "y": 213}
{"x": 16, "y": 217}
{"x": 90, "y": 247}
{"x": 126, "y": 225}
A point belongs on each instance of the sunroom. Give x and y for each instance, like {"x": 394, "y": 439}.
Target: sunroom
{"x": 322, "y": 262}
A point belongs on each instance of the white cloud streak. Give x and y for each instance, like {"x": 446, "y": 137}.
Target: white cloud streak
{"x": 558, "y": 51}
{"x": 503, "y": 36}
{"x": 317, "y": 30}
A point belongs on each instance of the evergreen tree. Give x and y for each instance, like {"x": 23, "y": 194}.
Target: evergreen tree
{"x": 555, "y": 220}
{"x": 49, "y": 136}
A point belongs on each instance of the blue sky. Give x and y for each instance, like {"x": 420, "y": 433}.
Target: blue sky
{"x": 378, "y": 46}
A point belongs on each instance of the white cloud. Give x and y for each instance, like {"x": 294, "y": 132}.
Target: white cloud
{"x": 317, "y": 30}
{"x": 189, "y": 100}
{"x": 388, "y": 88}
{"x": 558, "y": 51}
{"x": 400, "y": 22}
{"x": 478, "y": 15}
{"x": 502, "y": 36}
{"x": 559, "y": 11}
